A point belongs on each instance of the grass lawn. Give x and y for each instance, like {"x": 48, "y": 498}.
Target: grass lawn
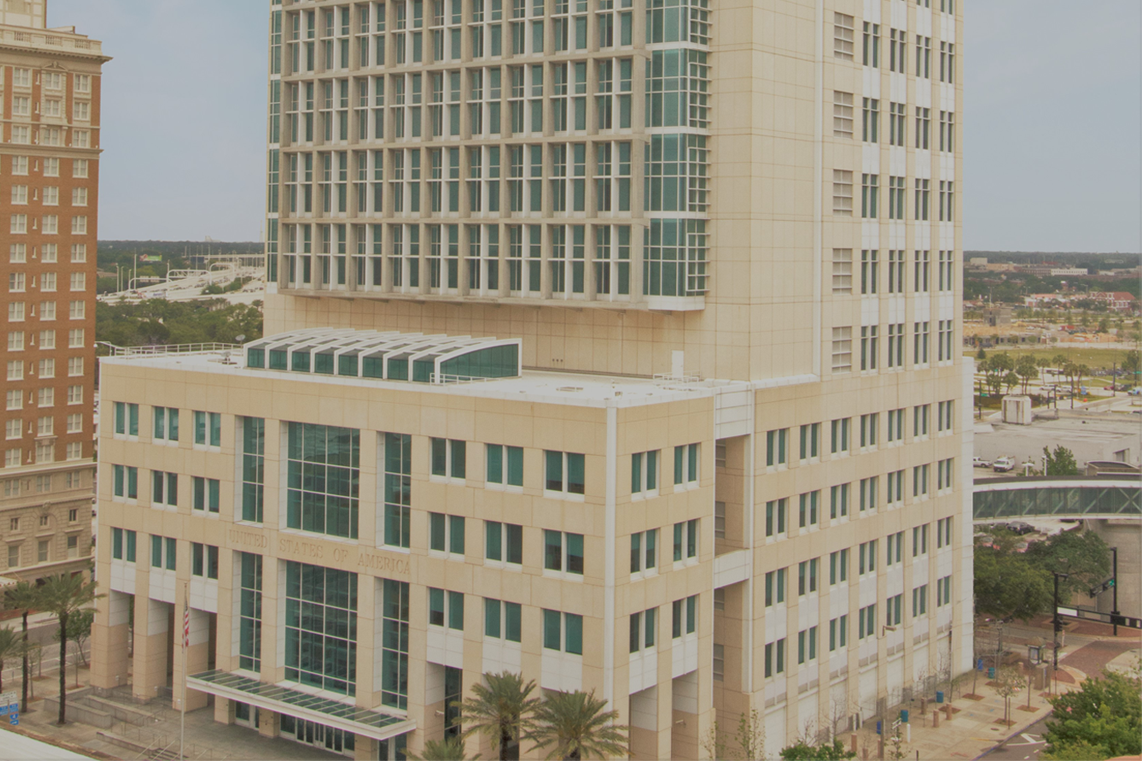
{"x": 1090, "y": 356}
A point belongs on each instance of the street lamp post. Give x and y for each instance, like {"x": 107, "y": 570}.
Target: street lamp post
{"x": 1114, "y": 571}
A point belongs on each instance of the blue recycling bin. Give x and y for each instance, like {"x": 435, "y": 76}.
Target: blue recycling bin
{"x": 939, "y": 696}
{"x": 904, "y": 715}
{"x": 878, "y": 727}
{"x": 991, "y": 672}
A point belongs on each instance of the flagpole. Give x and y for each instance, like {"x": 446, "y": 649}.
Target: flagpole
{"x": 185, "y": 643}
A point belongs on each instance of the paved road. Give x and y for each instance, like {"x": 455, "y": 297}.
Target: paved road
{"x": 1027, "y": 745}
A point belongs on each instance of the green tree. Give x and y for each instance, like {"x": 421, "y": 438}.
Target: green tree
{"x": 836, "y": 751}
{"x": 10, "y": 647}
{"x": 576, "y": 725}
{"x": 1061, "y": 462}
{"x": 78, "y": 630}
{"x": 448, "y": 749}
{"x": 1027, "y": 369}
{"x": 500, "y": 711}
{"x": 980, "y": 355}
{"x": 1011, "y": 380}
{"x": 1102, "y": 719}
{"x": 24, "y": 597}
{"x": 1132, "y": 362}
{"x": 64, "y": 596}
{"x": 1007, "y": 684}
{"x": 1007, "y": 586}
{"x": 1084, "y": 557}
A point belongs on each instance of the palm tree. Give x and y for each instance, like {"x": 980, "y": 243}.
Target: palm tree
{"x": 577, "y": 724}
{"x": 448, "y": 749}
{"x": 10, "y": 645}
{"x": 24, "y": 597}
{"x": 63, "y": 596}
{"x": 500, "y": 711}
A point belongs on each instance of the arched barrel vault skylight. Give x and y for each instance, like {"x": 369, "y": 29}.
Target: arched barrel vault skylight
{"x": 386, "y": 356}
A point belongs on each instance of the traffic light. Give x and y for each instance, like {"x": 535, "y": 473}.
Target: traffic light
{"x": 1110, "y": 584}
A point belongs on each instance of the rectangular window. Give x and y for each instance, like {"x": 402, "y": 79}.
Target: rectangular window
{"x": 250, "y": 612}
{"x": 869, "y": 425}
{"x": 503, "y": 542}
{"x": 775, "y": 587}
{"x": 123, "y": 544}
{"x": 164, "y": 488}
{"x": 870, "y": 124}
{"x": 206, "y": 494}
{"x": 775, "y": 447}
{"x": 838, "y": 501}
{"x": 838, "y": 567}
{"x": 866, "y": 558}
{"x": 397, "y": 454}
{"x": 870, "y": 196}
{"x": 321, "y": 627}
{"x": 686, "y": 465}
{"x": 323, "y": 479}
{"x": 809, "y": 509}
{"x": 843, "y": 36}
{"x": 643, "y": 629}
{"x": 504, "y": 464}
{"x": 775, "y": 658}
{"x": 502, "y": 620}
{"x": 840, "y": 436}
{"x": 203, "y": 560}
{"x": 563, "y": 632}
{"x": 685, "y": 540}
{"x": 775, "y": 516}
{"x": 842, "y": 351}
{"x": 842, "y": 270}
{"x": 842, "y": 114}
{"x": 446, "y": 533}
{"x": 253, "y": 467}
{"x": 644, "y": 472}
{"x": 563, "y": 552}
{"x": 126, "y": 419}
{"x": 838, "y": 633}
{"x": 394, "y": 643}
{"x": 810, "y": 441}
{"x": 564, "y": 472}
{"x": 806, "y": 577}
{"x": 165, "y": 423}
{"x": 644, "y": 551}
{"x": 843, "y": 192}
{"x": 449, "y": 458}
{"x": 807, "y": 645}
{"x": 208, "y": 429}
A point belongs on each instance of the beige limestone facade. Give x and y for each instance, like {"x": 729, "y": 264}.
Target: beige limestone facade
{"x": 731, "y": 472}
{"x": 50, "y": 85}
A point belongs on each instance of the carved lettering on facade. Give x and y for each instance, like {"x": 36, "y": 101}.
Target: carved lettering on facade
{"x": 383, "y": 564}
{"x": 248, "y": 539}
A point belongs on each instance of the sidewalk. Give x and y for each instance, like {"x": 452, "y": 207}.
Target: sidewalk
{"x": 975, "y": 727}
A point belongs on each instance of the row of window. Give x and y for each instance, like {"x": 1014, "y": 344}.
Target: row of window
{"x": 49, "y": 108}
{"x": 47, "y": 253}
{"x": 23, "y": 166}
{"x": 866, "y": 429}
{"x": 891, "y": 279}
{"x": 20, "y": 196}
{"x": 47, "y": 482}
{"x": 896, "y": 134}
{"x": 871, "y": 359}
{"x": 47, "y": 225}
{"x": 49, "y": 80}
{"x": 19, "y": 134}
{"x": 43, "y": 426}
{"x": 42, "y": 398}
{"x": 45, "y": 368}
{"x": 870, "y": 198}
{"x": 644, "y": 469}
{"x": 16, "y": 557}
{"x": 43, "y": 485}
{"x": 844, "y": 38}
{"x": 341, "y": 40}
{"x": 77, "y": 310}
{"x": 867, "y": 626}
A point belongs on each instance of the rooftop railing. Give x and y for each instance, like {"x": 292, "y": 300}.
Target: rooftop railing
{"x": 165, "y": 349}
{"x": 47, "y": 39}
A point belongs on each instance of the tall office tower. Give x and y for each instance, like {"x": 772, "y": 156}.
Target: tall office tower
{"x": 49, "y": 193}
{"x": 612, "y": 343}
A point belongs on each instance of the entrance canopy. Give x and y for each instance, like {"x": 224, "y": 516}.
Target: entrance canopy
{"x": 300, "y": 704}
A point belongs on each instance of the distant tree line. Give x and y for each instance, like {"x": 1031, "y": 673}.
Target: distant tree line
{"x": 158, "y": 321}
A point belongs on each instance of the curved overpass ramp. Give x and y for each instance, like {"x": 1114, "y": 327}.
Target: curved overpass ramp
{"x": 1118, "y": 496}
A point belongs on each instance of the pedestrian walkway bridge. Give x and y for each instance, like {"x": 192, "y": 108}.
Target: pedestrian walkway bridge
{"x": 1117, "y": 496}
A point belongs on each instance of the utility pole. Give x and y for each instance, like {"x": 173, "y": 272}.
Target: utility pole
{"x": 1058, "y": 625}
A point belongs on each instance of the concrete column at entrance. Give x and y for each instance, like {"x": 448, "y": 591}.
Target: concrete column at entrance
{"x": 684, "y": 726}
{"x": 197, "y": 658}
{"x": 364, "y": 748}
{"x": 223, "y": 710}
{"x": 151, "y": 639}
{"x": 269, "y": 723}
{"x": 109, "y": 638}
{"x": 650, "y": 723}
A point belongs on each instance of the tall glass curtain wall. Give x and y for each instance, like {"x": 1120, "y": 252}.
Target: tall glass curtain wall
{"x": 386, "y": 175}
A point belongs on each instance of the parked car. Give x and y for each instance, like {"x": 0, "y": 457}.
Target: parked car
{"x": 1136, "y": 391}
{"x": 1020, "y": 527}
{"x": 1003, "y": 465}
{"x": 980, "y": 462}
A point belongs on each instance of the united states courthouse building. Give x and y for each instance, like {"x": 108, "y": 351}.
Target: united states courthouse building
{"x": 611, "y": 342}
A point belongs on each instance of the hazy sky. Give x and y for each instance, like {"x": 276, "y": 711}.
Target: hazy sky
{"x": 1051, "y": 122}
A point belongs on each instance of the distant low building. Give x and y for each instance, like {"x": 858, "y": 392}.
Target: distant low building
{"x": 1097, "y": 438}
{"x": 1069, "y": 272}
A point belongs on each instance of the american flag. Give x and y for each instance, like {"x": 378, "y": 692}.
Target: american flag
{"x": 185, "y": 626}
